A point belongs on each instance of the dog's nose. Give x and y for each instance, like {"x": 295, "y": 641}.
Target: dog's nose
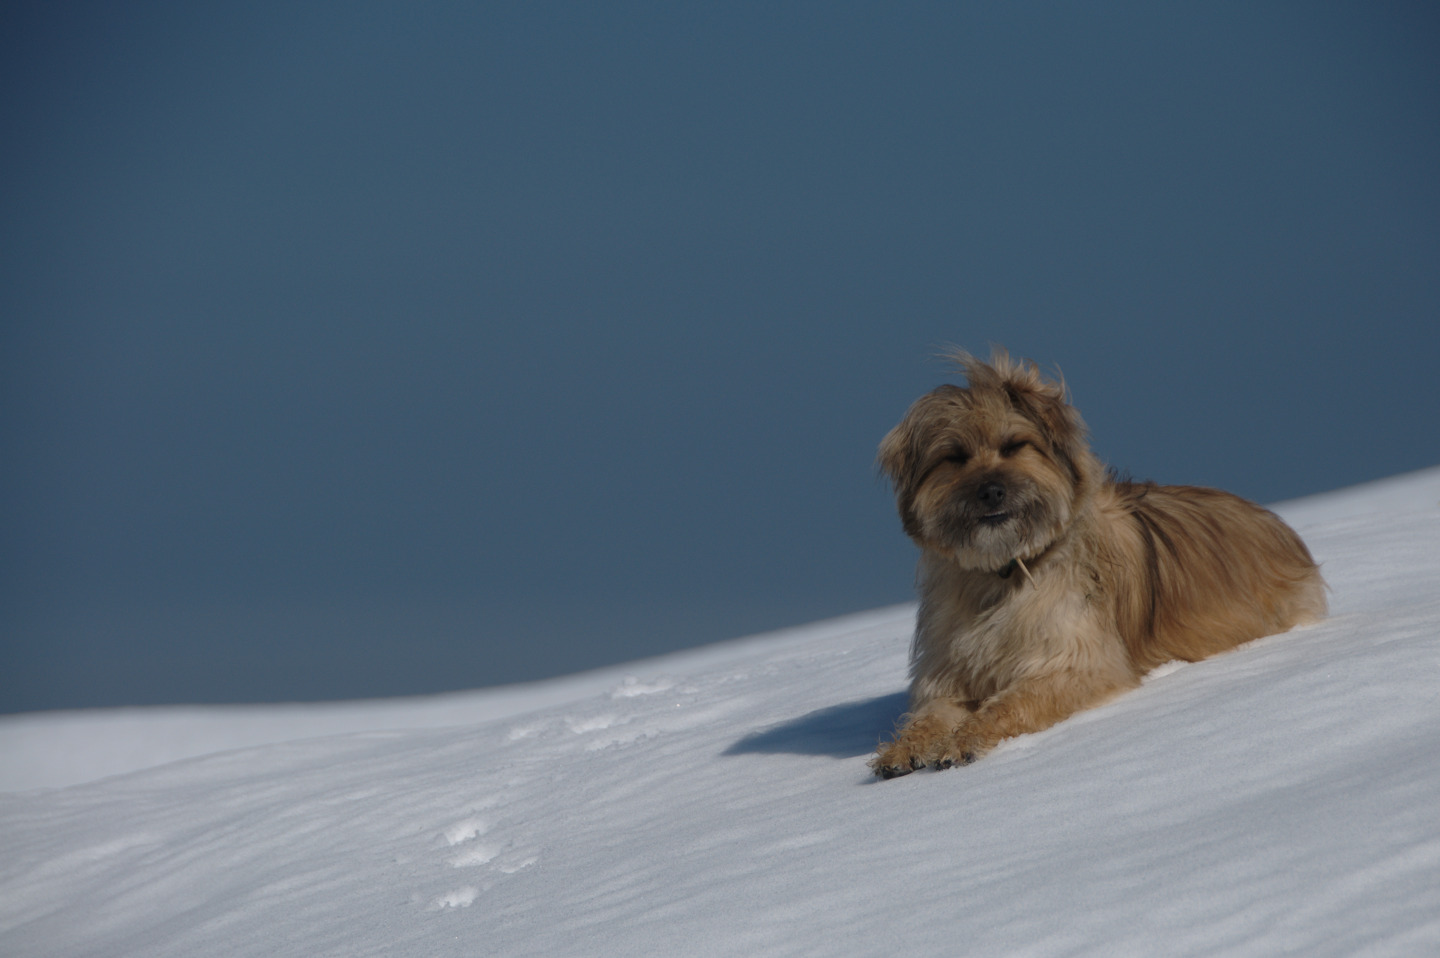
{"x": 991, "y": 494}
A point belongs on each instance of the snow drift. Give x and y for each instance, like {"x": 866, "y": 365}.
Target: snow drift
{"x": 1279, "y": 799}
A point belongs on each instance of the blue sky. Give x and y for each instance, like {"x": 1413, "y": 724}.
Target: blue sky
{"x": 365, "y": 349}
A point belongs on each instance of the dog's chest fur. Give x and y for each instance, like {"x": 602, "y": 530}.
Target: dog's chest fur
{"x": 978, "y": 632}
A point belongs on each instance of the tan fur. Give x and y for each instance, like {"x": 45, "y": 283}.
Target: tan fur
{"x": 1122, "y": 576}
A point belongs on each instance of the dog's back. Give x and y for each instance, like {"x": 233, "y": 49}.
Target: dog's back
{"x": 1216, "y": 571}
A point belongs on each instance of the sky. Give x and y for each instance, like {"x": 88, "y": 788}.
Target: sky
{"x": 351, "y": 350}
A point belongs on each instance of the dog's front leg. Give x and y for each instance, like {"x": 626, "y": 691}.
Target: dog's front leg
{"x": 1030, "y": 705}
{"x": 924, "y": 737}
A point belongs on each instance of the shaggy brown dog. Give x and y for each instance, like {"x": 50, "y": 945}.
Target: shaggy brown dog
{"x": 1047, "y": 587}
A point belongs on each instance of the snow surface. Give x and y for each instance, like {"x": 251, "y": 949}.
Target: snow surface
{"x": 1281, "y": 799}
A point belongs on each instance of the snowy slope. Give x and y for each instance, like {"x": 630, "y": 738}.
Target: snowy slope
{"x": 1281, "y": 799}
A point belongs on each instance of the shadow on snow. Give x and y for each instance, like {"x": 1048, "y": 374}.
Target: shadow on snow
{"x": 840, "y": 731}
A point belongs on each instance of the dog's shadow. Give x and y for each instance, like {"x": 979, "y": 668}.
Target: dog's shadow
{"x": 840, "y": 731}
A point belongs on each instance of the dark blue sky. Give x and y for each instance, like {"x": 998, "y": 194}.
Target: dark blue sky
{"x": 359, "y": 349}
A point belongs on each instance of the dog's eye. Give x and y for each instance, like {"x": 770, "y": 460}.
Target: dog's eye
{"x": 957, "y": 457}
{"x": 1011, "y": 448}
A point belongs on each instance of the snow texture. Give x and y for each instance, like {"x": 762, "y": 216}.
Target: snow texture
{"x": 1279, "y": 799}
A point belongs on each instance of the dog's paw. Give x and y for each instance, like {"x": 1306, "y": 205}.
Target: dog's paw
{"x": 961, "y": 746}
{"x": 903, "y": 756}
{"x": 895, "y": 759}
{"x": 951, "y": 761}
{"x": 965, "y": 746}
{"x": 925, "y": 742}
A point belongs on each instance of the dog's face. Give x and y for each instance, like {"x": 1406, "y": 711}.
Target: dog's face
{"x": 993, "y": 471}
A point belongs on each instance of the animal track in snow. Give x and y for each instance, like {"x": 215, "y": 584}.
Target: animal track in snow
{"x": 635, "y": 701}
{"x": 517, "y": 732}
{"x": 502, "y": 856}
{"x": 516, "y": 863}
{"x": 476, "y": 855}
{"x": 466, "y": 830}
{"x": 459, "y": 898}
{"x": 620, "y": 739}
{"x": 593, "y": 723}
{"x": 632, "y": 687}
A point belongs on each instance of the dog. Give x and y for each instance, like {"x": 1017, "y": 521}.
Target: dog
{"x": 1048, "y": 585}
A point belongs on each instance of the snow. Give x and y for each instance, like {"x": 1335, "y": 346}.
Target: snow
{"x": 1279, "y": 799}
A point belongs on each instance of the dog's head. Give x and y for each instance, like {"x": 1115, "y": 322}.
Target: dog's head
{"x": 993, "y": 471}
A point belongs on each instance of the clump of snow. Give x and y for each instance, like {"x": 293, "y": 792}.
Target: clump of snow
{"x": 1279, "y": 799}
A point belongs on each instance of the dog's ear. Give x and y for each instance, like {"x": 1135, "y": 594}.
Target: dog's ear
{"x": 900, "y": 459}
{"x": 905, "y": 449}
{"x": 899, "y": 454}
